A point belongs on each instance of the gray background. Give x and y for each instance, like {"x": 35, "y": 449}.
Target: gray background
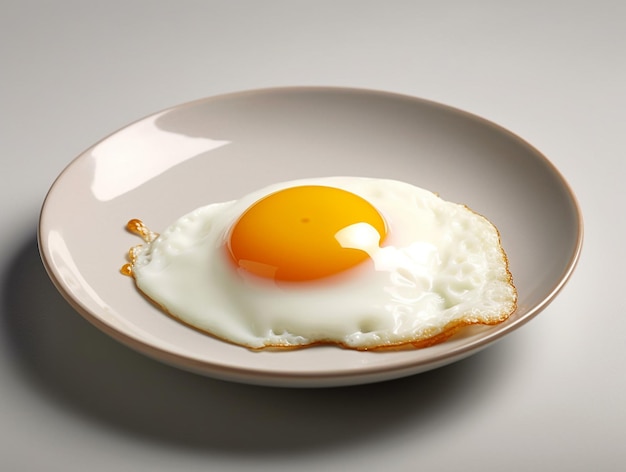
{"x": 548, "y": 397}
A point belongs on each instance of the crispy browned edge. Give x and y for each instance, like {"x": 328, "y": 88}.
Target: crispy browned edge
{"x": 448, "y": 331}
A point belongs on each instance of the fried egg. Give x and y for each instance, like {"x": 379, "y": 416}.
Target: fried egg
{"x": 360, "y": 263}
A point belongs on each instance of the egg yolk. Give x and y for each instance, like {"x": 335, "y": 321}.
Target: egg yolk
{"x": 305, "y": 233}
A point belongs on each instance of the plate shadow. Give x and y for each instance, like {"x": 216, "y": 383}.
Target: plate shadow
{"x": 81, "y": 370}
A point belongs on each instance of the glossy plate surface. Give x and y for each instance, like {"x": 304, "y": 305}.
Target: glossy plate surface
{"x": 223, "y": 147}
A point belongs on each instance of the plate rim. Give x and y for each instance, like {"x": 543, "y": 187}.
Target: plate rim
{"x": 328, "y": 377}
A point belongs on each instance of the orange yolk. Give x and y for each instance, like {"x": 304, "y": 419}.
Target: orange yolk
{"x": 305, "y": 233}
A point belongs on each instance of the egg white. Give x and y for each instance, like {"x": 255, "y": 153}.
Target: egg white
{"x": 440, "y": 267}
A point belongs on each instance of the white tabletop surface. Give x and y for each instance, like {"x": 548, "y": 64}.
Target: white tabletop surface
{"x": 548, "y": 397}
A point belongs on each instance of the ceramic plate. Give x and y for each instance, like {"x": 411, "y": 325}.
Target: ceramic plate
{"x": 223, "y": 147}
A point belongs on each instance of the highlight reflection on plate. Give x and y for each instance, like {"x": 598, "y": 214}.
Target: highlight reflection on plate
{"x": 223, "y": 147}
